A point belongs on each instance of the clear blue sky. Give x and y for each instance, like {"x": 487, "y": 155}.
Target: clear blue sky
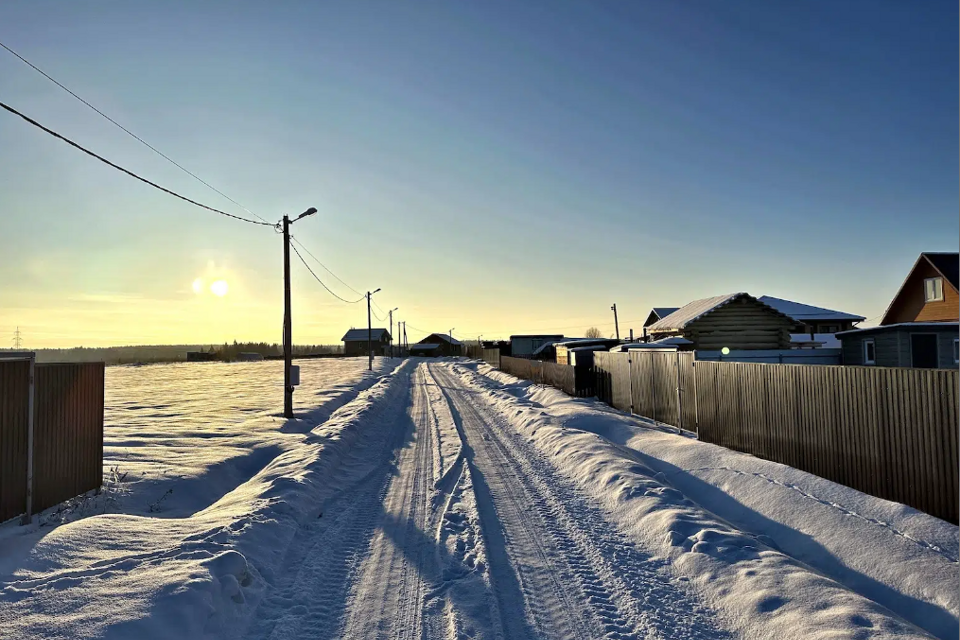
{"x": 498, "y": 167}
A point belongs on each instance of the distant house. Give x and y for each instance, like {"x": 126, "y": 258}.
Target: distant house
{"x": 355, "y": 342}
{"x": 562, "y": 349}
{"x": 732, "y": 321}
{"x": 920, "y": 326}
{"x": 447, "y": 345}
{"x": 429, "y": 350}
{"x": 523, "y": 346}
{"x": 656, "y": 314}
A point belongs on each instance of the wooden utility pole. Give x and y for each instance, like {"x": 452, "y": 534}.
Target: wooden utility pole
{"x": 287, "y": 320}
{"x": 370, "y": 330}
{"x": 616, "y": 323}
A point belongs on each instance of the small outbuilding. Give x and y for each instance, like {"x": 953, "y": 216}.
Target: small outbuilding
{"x": 356, "y": 342}
{"x": 732, "y": 321}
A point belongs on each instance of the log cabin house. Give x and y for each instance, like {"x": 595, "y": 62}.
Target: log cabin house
{"x": 732, "y": 321}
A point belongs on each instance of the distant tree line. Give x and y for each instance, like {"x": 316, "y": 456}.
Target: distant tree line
{"x": 148, "y": 354}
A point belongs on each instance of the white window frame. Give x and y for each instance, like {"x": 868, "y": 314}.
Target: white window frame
{"x": 956, "y": 351}
{"x": 866, "y": 359}
{"x": 938, "y": 285}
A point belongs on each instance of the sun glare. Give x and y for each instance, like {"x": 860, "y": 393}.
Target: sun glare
{"x": 219, "y": 288}
{"x": 197, "y": 285}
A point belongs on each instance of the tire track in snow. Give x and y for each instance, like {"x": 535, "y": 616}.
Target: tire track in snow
{"x": 579, "y": 576}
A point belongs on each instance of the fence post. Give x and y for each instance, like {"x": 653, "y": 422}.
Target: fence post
{"x": 630, "y": 379}
{"x": 653, "y": 389}
{"x": 696, "y": 398}
{"x": 679, "y": 397}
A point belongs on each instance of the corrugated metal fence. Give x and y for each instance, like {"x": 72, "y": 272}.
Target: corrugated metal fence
{"x": 889, "y": 432}
{"x": 68, "y": 433}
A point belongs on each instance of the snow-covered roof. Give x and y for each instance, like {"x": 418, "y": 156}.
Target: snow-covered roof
{"x": 805, "y": 312}
{"x": 423, "y": 346}
{"x": 551, "y": 343}
{"x": 672, "y": 341}
{"x": 589, "y": 347}
{"x": 902, "y": 325}
{"x": 446, "y": 337}
{"x": 686, "y": 314}
{"x": 360, "y": 335}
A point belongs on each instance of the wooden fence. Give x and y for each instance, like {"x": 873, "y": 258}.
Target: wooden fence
{"x": 559, "y": 376}
{"x": 67, "y": 433}
{"x": 889, "y": 432}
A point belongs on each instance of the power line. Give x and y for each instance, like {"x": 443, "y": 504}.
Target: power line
{"x": 330, "y": 291}
{"x": 128, "y": 132}
{"x": 327, "y": 269}
{"x": 128, "y": 172}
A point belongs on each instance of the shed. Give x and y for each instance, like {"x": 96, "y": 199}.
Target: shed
{"x": 355, "y": 341}
{"x": 734, "y": 321}
{"x": 562, "y": 349}
{"x": 923, "y": 345}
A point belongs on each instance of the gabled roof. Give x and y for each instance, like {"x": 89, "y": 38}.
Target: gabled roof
{"x": 805, "y": 312}
{"x": 945, "y": 263}
{"x": 679, "y": 319}
{"x": 445, "y": 337}
{"x": 658, "y": 313}
{"x": 360, "y": 335}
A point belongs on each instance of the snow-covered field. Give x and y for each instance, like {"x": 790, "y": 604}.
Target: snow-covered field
{"x": 442, "y": 499}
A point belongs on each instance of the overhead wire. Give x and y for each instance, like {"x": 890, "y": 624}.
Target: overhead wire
{"x": 325, "y": 267}
{"x": 130, "y": 133}
{"x": 329, "y": 290}
{"x": 131, "y": 173}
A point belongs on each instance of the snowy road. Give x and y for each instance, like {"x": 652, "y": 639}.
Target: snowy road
{"x": 528, "y": 558}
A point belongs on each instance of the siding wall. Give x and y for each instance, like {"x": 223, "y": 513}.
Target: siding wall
{"x": 910, "y": 305}
{"x": 741, "y": 324}
{"x": 894, "y": 347}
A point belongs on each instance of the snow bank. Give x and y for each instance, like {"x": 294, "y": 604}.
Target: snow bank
{"x": 169, "y": 572}
{"x": 765, "y": 543}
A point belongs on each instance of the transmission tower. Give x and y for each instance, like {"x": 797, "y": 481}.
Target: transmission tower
{"x": 17, "y": 339}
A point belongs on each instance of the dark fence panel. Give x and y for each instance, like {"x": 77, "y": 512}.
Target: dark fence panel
{"x": 884, "y": 431}
{"x": 68, "y": 431}
{"x": 14, "y": 404}
{"x": 613, "y": 379}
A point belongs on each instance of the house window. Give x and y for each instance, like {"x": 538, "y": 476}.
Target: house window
{"x": 829, "y": 328}
{"x": 933, "y": 289}
{"x": 956, "y": 351}
{"x": 869, "y": 351}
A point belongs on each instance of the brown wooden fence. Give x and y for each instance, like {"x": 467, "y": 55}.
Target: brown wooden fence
{"x": 889, "y": 432}
{"x": 68, "y": 433}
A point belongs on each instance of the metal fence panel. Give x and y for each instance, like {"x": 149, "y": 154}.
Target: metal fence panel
{"x": 614, "y": 371}
{"x": 885, "y": 431}
{"x": 14, "y": 400}
{"x": 68, "y": 431}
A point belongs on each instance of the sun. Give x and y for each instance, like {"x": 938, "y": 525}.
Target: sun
{"x": 219, "y": 288}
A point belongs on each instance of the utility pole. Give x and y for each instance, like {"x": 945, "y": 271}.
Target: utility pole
{"x": 616, "y": 322}
{"x": 391, "y": 329}
{"x": 370, "y": 330}
{"x": 17, "y": 339}
{"x": 451, "y": 341}
{"x": 287, "y": 320}
{"x": 406, "y": 345}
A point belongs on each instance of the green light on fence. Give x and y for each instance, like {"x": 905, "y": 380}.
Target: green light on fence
{"x": 725, "y": 351}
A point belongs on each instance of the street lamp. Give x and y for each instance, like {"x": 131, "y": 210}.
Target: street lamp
{"x": 288, "y": 382}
